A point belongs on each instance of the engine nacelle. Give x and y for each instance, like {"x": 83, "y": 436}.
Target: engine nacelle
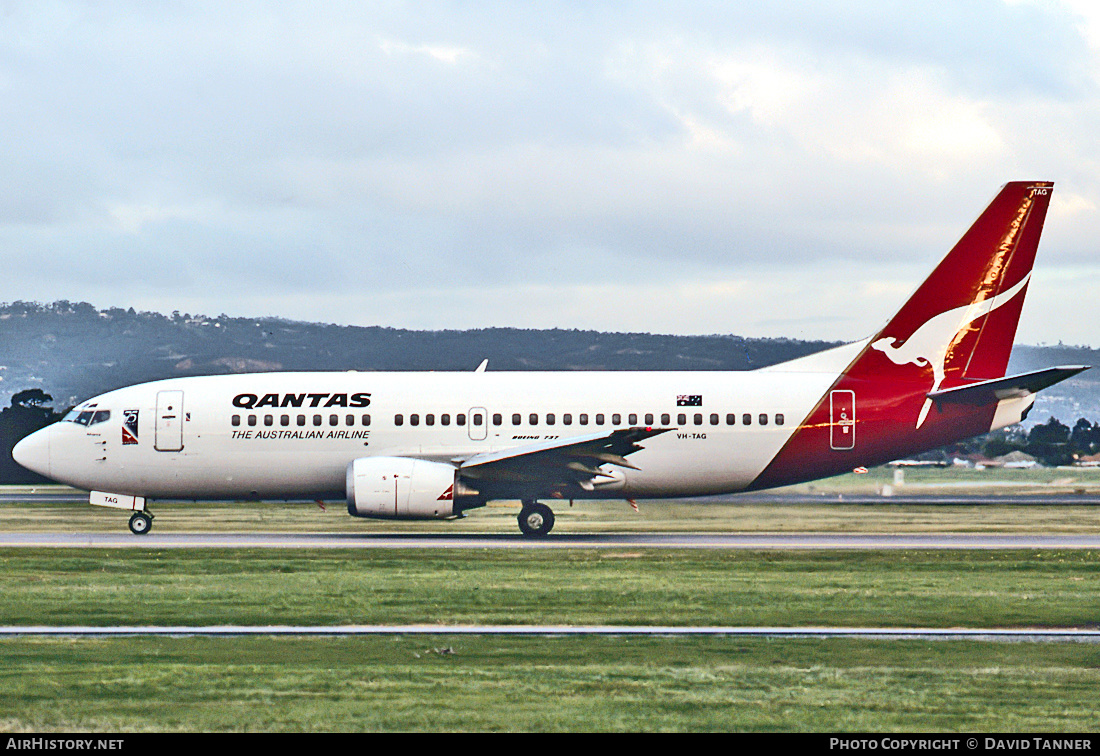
{"x": 400, "y": 487}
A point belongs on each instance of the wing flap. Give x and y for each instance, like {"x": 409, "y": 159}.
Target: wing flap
{"x": 560, "y": 462}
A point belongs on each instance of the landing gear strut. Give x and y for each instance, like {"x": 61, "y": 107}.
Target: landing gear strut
{"x": 535, "y": 519}
{"x": 140, "y": 523}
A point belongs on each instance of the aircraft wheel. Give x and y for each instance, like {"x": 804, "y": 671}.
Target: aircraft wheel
{"x": 140, "y": 523}
{"x": 536, "y": 519}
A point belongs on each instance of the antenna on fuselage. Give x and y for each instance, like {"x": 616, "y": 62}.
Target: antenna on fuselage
{"x": 481, "y": 368}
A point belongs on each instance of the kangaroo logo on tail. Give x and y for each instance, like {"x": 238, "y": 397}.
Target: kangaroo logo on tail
{"x": 930, "y": 344}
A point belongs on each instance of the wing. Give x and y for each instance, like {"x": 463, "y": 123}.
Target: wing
{"x": 556, "y": 466}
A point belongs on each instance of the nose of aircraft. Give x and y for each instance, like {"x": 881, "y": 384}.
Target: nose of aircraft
{"x": 33, "y": 452}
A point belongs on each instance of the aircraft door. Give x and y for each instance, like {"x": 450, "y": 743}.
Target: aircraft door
{"x": 169, "y": 430}
{"x": 478, "y": 424}
{"x": 842, "y": 419}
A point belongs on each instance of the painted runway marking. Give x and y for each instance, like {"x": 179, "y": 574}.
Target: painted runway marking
{"x": 804, "y": 541}
{"x": 879, "y": 633}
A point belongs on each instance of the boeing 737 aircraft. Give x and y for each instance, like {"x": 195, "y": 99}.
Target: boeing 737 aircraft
{"x": 435, "y": 445}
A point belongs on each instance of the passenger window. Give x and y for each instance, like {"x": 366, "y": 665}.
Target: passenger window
{"x": 566, "y": 419}
{"x": 681, "y": 419}
{"x": 251, "y": 419}
{"x": 698, "y": 419}
{"x": 779, "y": 419}
{"x": 763, "y": 419}
{"x": 649, "y": 418}
{"x": 583, "y": 419}
{"x": 632, "y": 419}
{"x": 333, "y": 419}
{"x": 550, "y": 418}
{"x": 284, "y": 420}
{"x": 414, "y": 419}
{"x": 445, "y": 419}
{"x": 746, "y": 419}
{"x": 714, "y": 418}
{"x": 516, "y": 418}
{"x": 460, "y": 418}
{"x": 616, "y": 419}
{"x": 316, "y": 419}
{"x": 497, "y": 419}
{"x": 534, "y": 419}
{"x": 398, "y": 420}
{"x": 366, "y": 419}
{"x": 269, "y": 420}
{"x": 731, "y": 419}
{"x": 666, "y": 419}
{"x": 349, "y": 420}
{"x": 429, "y": 419}
{"x": 477, "y": 418}
{"x": 301, "y": 419}
{"x": 236, "y": 420}
{"x": 599, "y": 419}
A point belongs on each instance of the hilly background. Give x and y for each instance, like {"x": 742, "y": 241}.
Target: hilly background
{"x": 73, "y": 351}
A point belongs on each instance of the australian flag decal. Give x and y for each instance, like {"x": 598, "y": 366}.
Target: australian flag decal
{"x": 129, "y": 427}
{"x": 689, "y": 400}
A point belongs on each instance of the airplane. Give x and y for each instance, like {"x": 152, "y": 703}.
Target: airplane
{"x": 436, "y": 445}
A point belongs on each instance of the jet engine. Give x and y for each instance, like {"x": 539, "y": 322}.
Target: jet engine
{"x": 400, "y": 487}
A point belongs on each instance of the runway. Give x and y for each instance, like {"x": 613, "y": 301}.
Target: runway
{"x": 944, "y": 496}
{"x": 803, "y": 541}
{"x": 874, "y": 633}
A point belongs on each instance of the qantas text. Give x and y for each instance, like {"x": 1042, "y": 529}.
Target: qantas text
{"x": 254, "y": 401}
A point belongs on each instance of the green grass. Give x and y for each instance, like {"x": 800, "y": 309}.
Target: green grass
{"x": 545, "y": 684}
{"x": 813, "y": 513}
{"x": 557, "y": 684}
{"x": 821, "y": 508}
{"x": 979, "y": 589}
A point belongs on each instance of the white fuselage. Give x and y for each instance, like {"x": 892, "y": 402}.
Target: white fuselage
{"x": 241, "y": 435}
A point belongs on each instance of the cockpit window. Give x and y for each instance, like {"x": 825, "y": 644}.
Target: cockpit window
{"x": 87, "y": 416}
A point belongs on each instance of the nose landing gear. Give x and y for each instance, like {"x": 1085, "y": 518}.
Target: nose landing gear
{"x": 141, "y": 523}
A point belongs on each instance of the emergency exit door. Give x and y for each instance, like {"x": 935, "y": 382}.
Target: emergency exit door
{"x": 478, "y": 425}
{"x": 169, "y": 430}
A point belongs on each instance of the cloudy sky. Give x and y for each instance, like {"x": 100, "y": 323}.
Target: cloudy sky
{"x": 764, "y": 169}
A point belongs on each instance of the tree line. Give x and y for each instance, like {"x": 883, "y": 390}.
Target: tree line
{"x": 1052, "y": 443}
{"x": 29, "y": 411}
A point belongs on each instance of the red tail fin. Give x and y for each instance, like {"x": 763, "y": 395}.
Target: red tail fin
{"x": 956, "y": 329}
{"x": 968, "y": 308}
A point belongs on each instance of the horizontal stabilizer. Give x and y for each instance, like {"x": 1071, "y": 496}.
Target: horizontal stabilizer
{"x": 1010, "y": 387}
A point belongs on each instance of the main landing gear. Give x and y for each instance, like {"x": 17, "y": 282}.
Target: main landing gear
{"x": 141, "y": 523}
{"x": 535, "y": 519}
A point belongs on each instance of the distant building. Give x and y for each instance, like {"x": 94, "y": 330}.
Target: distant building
{"x": 1016, "y": 460}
